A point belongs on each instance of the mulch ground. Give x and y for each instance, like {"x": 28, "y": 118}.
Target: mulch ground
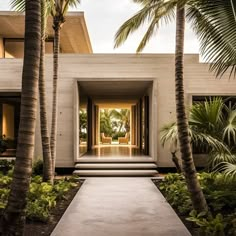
{"x": 33, "y": 228}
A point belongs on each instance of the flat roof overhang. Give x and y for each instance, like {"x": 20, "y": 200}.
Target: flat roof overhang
{"x": 74, "y": 33}
{"x": 113, "y": 94}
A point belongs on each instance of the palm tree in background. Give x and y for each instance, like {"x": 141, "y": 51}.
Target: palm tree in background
{"x": 14, "y": 215}
{"x": 48, "y": 175}
{"x": 153, "y": 11}
{"x": 106, "y": 121}
{"x": 123, "y": 115}
{"x": 58, "y": 10}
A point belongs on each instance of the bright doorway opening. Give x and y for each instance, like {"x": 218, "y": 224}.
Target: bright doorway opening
{"x": 115, "y": 118}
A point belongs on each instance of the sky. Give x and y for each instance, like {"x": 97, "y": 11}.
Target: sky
{"x": 104, "y": 17}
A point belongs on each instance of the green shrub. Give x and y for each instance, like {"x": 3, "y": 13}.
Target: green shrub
{"x": 208, "y": 224}
{"x": 61, "y": 187}
{"x": 4, "y": 193}
{"x": 220, "y": 196}
{"x": 41, "y": 198}
{"x": 6, "y": 165}
{"x": 37, "y": 167}
{"x": 5, "y": 180}
{"x": 176, "y": 193}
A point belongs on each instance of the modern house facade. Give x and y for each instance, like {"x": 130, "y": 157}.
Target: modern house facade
{"x": 143, "y": 83}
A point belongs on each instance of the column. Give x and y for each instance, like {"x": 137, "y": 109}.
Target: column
{"x": 90, "y": 123}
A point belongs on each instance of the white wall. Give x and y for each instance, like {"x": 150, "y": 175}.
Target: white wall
{"x": 160, "y": 68}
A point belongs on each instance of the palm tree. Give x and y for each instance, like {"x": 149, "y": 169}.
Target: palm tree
{"x": 14, "y": 215}
{"x": 59, "y": 9}
{"x": 48, "y": 174}
{"x": 123, "y": 115}
{"x": 105, "y": 122}
{"x": 153, "y": 11}
{"x": 189, "y": 170}
{"x": 47, "y": 162}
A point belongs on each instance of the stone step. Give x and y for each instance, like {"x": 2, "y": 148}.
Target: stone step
{"x": 136, "y": 166}
{"x": 115, "y": 160}
{"x": 115, "y": 173}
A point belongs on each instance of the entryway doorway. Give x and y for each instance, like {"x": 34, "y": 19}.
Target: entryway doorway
{"x": 114, "y": 118}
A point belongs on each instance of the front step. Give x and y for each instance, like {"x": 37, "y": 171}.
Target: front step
{"x": 120, "y": 166}
{"x": 116, "y": 173}
{"x": 116, "y": 169}
{"x": 116, "y": 160}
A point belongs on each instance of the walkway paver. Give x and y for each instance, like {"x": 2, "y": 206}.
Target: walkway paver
{"x": 119, "y": 207}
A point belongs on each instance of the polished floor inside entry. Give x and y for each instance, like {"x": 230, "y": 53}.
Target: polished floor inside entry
{"x": 114, "y": 151}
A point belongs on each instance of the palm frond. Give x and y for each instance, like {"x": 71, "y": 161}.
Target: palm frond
{"x": 69, "y": 3}
{"x": 154, "y": 11}
{"x": 165, "y": 12}
{"x": 169, "y": 133}
{"x": 228, "y": 170}
{"x": 229, "y": 132}
{"x": 214, "y": 22}
{"x": 131, "y": 25}
{"x": 200, "y": 139}
{"x": 216, "y": 158}
{"x": 18, "y": 5}
{"x": 207, "y": 116}
{"x": 60, "y": 7}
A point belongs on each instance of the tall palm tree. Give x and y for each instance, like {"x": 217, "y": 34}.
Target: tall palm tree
{"x": 189, "y": 170}
{"x": 48, "y": 174}
{"x": 47, "y": 162}
{"x": 14, "y": 216}
{"x": 59, "y": 9}
{"x": 154, "y": 11}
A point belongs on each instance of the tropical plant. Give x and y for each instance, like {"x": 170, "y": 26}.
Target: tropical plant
{"x": 220, "y": 196}
{"x": 105, "y": 122}
{"x": 47, "y": 167}
{"x": 123, "y": 117}
{"x": 14, "y": 216}
{"x": 83, "y": 124}
{"x": 58, "y": 11}
{"x": 153, "y": 11}
{"x": 41, "y": 198}
{"x": 212, "y": 125}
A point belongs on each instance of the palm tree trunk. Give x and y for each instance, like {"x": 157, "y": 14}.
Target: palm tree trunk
{"x": 47, "y": 162}
{"x": 197, "y": 197}
{"x": 14, "y": 216}
{"x": 176, "y": 162}
{"x": 53, "y": 140}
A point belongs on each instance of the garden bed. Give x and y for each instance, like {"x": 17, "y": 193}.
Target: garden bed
{"x": 189, "y": 225}
{"x": 46, "y": 203}
{"x": 220, "y": 195}
{"x": 37, "y": 228}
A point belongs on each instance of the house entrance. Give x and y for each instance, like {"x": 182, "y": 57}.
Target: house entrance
{"x": 114, "y": 118}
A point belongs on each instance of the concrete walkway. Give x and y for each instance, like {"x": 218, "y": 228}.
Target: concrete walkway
{"x": 119, "y": 207}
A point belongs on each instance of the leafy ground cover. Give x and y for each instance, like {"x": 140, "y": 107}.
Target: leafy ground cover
{"x": 221, "y": 198}
{"x": 46, "y": 203}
